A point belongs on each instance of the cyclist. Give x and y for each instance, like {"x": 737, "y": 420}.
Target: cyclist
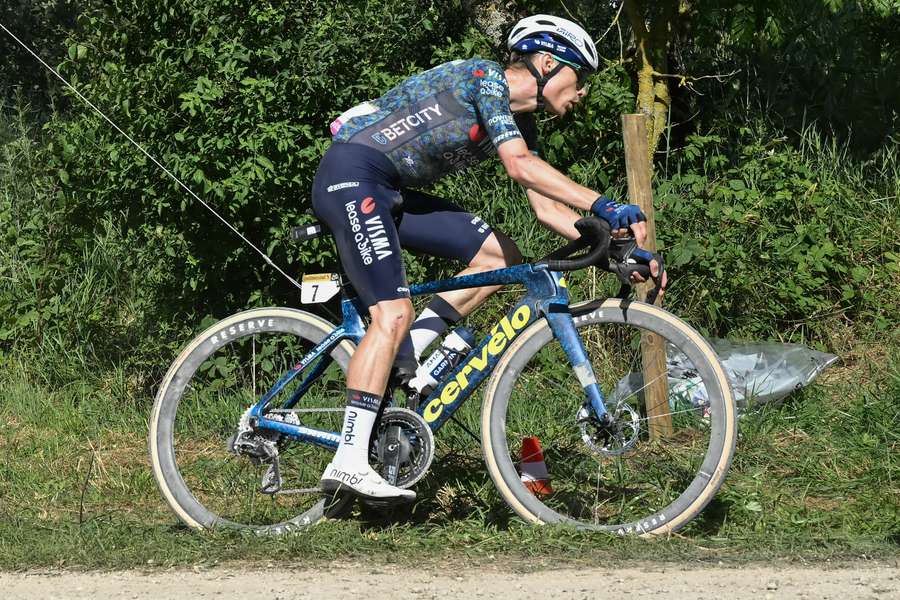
{"x": 443, "y": 120}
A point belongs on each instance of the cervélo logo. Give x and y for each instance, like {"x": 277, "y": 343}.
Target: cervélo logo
{"x": 501, "y": 334}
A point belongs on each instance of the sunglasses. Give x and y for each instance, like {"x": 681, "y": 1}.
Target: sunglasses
{"x": 580, "y": 72}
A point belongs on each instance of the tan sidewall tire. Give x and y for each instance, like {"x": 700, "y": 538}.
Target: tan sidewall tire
{"x": 165, "y": 471}
{"x": 723, "y": 421}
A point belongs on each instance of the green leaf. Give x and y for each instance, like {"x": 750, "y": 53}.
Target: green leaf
{"x": 753, "y": 506}
{"x": 265, "y": 162}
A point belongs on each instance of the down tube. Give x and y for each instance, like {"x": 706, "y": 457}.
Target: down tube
{"x": 480, "y": 361}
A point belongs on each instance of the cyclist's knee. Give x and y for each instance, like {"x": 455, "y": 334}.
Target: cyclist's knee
{"x": 392, "y": 317}
{"x": 497, "y": 251}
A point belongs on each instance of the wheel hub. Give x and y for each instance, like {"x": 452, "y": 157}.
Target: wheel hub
{"x": 613, "y": 436}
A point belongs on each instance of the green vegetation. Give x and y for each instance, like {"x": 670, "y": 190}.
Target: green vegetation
{"x": 815, "y": 478}
{"x": 777, "y": 195}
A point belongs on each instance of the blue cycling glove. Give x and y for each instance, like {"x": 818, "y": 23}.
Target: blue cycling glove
{"x": 619, "y": 216}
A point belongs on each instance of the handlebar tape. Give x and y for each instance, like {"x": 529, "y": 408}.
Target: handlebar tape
{"x": 594, "y": 234}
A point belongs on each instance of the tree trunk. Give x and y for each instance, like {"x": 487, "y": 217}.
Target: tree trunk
{"x": 652, "y": 27}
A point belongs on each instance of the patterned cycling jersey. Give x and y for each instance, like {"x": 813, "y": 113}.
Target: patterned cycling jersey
{"x": 443, "y": 120}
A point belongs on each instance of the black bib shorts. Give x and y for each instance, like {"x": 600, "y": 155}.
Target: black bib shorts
{"x": 356, "y": 193}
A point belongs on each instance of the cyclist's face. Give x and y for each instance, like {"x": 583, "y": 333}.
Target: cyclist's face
{"x": 561, "y": 93}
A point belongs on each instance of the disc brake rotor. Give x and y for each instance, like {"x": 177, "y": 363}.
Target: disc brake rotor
{"x": 610, "y": 439}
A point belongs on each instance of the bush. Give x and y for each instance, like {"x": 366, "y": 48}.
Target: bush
{"x": 766, "y": 240}
{"x": 107, "y": 259}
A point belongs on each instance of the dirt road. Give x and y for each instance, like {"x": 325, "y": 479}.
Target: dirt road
{"x": 865, "y": 580}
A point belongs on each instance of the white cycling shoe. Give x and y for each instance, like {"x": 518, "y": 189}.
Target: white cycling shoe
{"x": 366, "y": 484}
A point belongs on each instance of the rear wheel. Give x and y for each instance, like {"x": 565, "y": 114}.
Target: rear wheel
{"x": 601, "y": 478}
{"x": 203, "y": 401}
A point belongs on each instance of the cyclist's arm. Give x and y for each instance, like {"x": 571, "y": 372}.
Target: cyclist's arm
{"x": 544, "y": 185}
{"x": 535, "y": 174}
{"x": 553, "y": 215}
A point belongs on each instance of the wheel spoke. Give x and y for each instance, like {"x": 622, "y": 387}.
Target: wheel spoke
{"x": 541, "y": 397}
{"x": 204, "y": 407}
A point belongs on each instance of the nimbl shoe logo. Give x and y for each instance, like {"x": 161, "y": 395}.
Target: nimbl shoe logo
{"x": 501, "y": 334}
{"x": 349, "y": 436}
{"x": 345, "y": 477}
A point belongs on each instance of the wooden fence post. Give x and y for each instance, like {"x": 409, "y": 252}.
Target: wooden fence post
{"x": 653, "y": 351}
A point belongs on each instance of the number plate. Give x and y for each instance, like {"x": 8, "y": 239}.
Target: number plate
{"x": 319, "y": 287}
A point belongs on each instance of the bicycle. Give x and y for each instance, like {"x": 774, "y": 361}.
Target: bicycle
{"x": 253, "y": 406}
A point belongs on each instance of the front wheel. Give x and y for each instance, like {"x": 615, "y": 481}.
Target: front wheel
{"x": 618, "y": 479}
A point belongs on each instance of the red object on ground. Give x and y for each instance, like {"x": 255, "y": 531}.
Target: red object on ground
{"x": 534, "y": 472}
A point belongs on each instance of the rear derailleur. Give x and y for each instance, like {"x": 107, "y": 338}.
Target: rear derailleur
{"x": 261, "y": 447}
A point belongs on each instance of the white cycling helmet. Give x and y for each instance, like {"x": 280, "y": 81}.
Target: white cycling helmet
{"x": 562, "y": 37}
{"x": 565, "y": 40}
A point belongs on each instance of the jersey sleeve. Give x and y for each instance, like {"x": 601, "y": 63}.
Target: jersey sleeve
{"x": 490, "y": 92}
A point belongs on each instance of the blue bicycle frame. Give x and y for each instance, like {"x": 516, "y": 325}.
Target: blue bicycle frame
{"x": 546, "y": 297}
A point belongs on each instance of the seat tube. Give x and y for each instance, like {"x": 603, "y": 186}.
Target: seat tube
{"x": 564, "y": 330}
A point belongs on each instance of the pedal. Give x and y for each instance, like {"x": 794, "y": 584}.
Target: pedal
{"x": 384, "y": 505}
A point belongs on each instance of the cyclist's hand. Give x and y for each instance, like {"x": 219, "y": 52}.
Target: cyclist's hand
{"x": 627, "y": 260}
{"x": 654, "y": 274}
{"x": 620, "y": 217}
{"x": 639, "y": 230}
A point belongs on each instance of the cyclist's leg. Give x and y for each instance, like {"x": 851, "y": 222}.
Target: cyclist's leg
{"x": 359, "y": 216}
{"x": 438, "y": 227}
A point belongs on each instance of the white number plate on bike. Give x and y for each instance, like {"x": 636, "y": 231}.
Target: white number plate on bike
{"x": 319, "y": 287}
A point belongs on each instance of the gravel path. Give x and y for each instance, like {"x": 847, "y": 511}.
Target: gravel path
{"x": 868, "y": 580}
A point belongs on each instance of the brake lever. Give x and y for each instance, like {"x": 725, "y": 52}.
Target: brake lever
{"x": 626, "y": 258}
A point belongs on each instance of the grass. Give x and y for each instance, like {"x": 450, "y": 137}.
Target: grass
{"x": 817, "y": 477}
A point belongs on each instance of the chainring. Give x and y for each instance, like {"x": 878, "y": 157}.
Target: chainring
{"x": 416, "y": 445}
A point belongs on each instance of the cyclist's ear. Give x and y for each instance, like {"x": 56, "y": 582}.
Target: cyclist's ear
{"x": 546, "y": 63}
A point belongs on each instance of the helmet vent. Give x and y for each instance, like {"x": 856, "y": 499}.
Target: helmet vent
{"x": 545, "y": 22}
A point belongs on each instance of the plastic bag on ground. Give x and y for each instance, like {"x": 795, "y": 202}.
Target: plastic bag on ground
{"x": 759, "y": 372}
